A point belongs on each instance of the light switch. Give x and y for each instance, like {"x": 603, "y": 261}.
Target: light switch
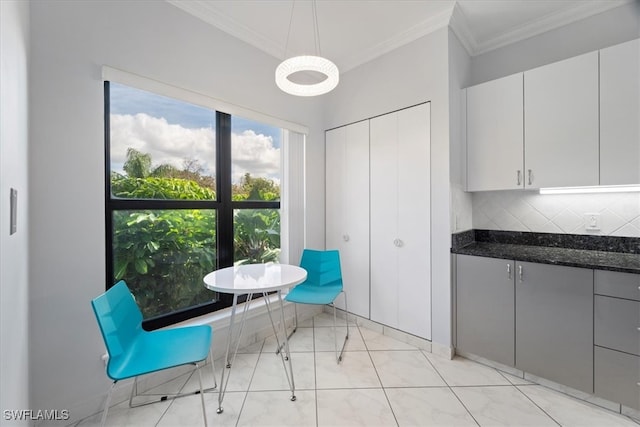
{"x": 13, "y": 226}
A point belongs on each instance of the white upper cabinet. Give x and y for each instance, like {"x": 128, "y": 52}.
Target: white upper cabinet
{"x": 347, "y": 210}
{"x": 561, "y": 123}
{"x": 620, "y": 114}
{"x": 495, "y": 135}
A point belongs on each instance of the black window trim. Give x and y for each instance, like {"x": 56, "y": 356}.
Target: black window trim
{"x": 223, "y": 205}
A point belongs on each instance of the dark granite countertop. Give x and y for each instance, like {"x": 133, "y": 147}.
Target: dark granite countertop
{"x": 528, "y": 247}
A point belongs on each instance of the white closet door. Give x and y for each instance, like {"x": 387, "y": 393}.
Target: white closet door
{"x": 347, "y": 210}
{"x": 334, "y": 162}
{"x": 384, "y": 219}
{"x": 414, "y": 221}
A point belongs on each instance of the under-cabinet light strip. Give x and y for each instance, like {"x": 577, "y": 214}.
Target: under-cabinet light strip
{"x": 598, "y": 189}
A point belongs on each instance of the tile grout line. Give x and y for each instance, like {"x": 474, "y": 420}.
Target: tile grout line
{"x": 384, "y": 391}
{"x": 537, "y": 406}
{"x": 173, "y": 400}
{"x": 246, "y": 393}
{"x": 450, "y": 388}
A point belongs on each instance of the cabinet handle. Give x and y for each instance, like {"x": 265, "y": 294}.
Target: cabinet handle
{"x": 398, "y": 243}
{"x": 520, "y": 272}
{"x": 519, "y": 177}
{"x": 509, "y": 270}
{"x": 530, "y": 176}
{"x": 345, "y": 237}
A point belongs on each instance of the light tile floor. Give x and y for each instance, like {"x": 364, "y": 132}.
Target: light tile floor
{"x": 380, "y": 382}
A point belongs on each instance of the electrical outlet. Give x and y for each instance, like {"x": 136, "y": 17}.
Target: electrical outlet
{"x": 592, "y": 221}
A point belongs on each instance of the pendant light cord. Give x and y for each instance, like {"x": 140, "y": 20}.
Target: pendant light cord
{"x": 316, "y": 31}
{"x": 286, "y": 45}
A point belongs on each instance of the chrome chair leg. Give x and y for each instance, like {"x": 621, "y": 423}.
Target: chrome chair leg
{"x": 168, "y": 396}
{"x": 106, "y": 404}
{"x": 335, "y": 328}
{"x": 204, "y": 412}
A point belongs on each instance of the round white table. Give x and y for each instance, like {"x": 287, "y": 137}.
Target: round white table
{"x": 253, "y": 279}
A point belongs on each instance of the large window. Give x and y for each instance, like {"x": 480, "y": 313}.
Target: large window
{"x": 188, "y": 190}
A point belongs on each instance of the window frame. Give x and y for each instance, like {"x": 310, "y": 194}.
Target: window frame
{"x": 223, "y": 205}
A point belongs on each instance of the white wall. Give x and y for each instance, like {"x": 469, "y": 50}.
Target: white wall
{"x": 412, "y": 74}
{"x": 14, "y": 285}
{"x": 459, "y": 75}
{"x": 71, "y": 41}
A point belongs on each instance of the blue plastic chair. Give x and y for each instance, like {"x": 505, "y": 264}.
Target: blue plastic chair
{"x": 322, "y": 287}
{"x": 134, "y": 351}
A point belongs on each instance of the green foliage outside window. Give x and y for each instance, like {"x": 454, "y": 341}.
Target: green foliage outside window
{"x": 164, "y": 254}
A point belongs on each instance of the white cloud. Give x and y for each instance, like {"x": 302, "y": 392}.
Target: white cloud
{"x": 255, "y": 154}
{"x": 171, "y": 144}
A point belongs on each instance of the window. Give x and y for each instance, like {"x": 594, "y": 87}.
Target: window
{"x": 188, "y": 190}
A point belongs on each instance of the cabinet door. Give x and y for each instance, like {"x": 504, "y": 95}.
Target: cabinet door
{"x": 347, "y": 210}
{"x": 485, "y": 308}
{"x": 400, "y": 220}
{"x": 561, "y": 123}
{"x": 554, "y": 323}
{"x": 617, "y": 377}
{"x": 620, "y": 114}
{"x": 414, "y": 223}
{"x": 384, "y": 219}
{"x": 495, "y": 149}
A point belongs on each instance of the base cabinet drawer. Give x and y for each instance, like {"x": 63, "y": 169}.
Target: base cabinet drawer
{"x": 617, "y": 377}
{"x": 615, "y": 284}
{"x": 617, "y": 324}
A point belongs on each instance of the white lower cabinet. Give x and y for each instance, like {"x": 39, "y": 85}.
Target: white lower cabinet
{"x": 400, "y": 220}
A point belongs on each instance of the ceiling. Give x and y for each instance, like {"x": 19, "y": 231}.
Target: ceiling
{"x": 353, "y": 32}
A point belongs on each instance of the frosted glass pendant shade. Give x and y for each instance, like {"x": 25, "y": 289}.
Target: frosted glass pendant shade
{"x": 307, "y": 63}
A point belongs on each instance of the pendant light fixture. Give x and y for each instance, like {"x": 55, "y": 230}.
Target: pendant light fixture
{"x": 307, "y": 63}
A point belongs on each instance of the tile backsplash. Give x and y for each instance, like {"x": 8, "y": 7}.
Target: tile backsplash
{"x": 558, "y": 213}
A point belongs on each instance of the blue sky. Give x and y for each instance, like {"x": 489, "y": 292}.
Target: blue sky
{"x": 172, "y": 131}
{"x": 128, "y": 100}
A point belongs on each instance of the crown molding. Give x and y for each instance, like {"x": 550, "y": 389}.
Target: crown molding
{"x": 200, "y": 9}
{"x": 546, "y": 23}
{"x": 453, "y": 17}
{"x": 428, "y": 26}
{"x": 460, "y": 27}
